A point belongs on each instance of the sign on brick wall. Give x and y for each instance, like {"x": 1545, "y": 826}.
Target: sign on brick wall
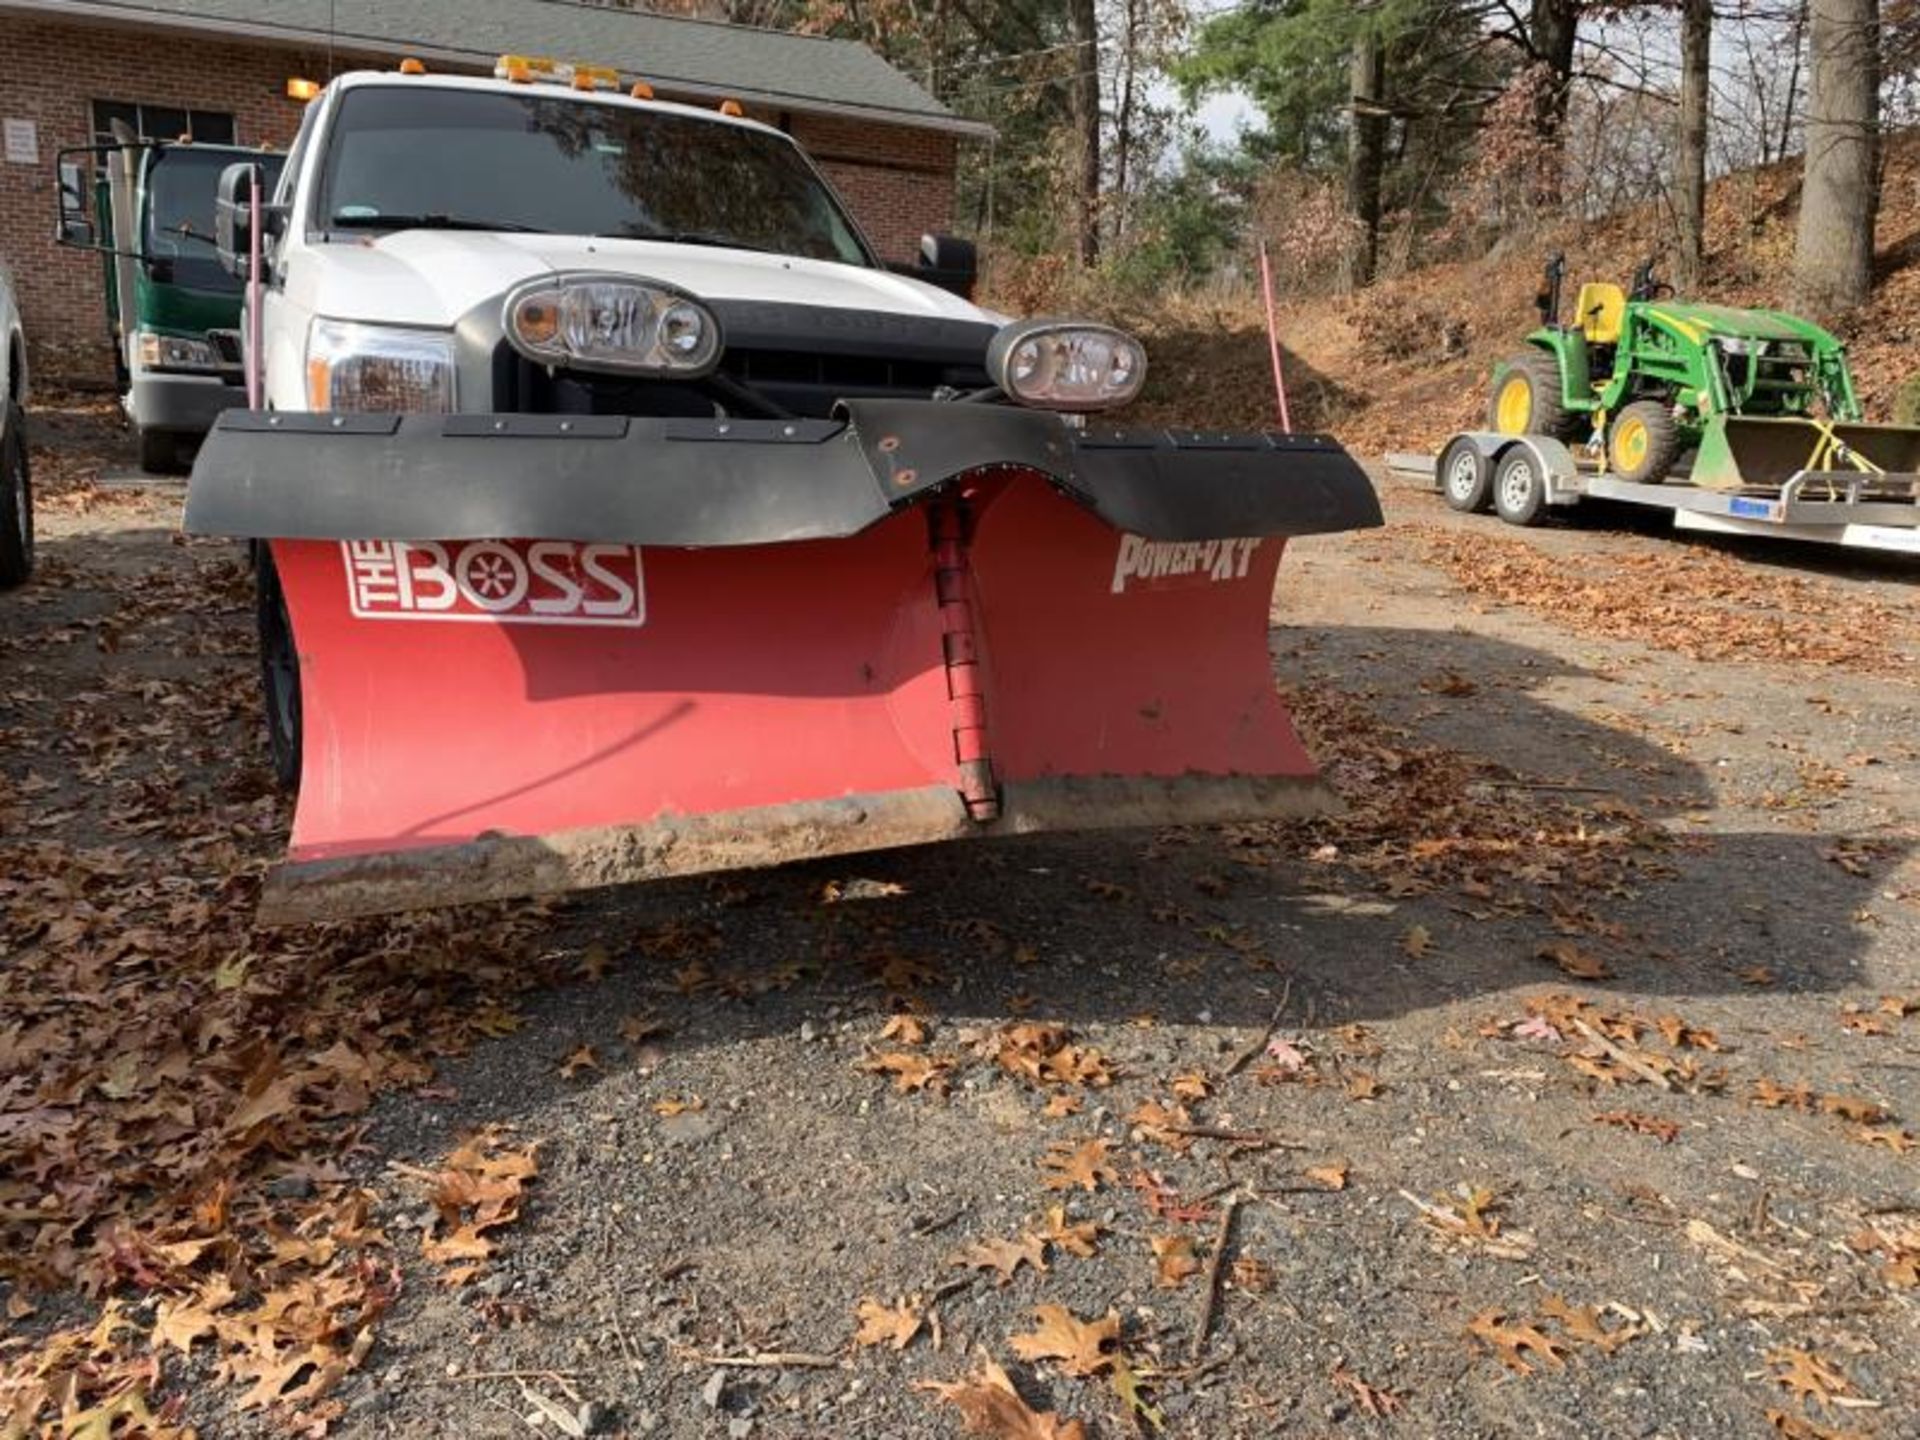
{"x": 22, "y": 141}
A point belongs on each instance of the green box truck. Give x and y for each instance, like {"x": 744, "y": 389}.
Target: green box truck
{"x": 173, "y": 311}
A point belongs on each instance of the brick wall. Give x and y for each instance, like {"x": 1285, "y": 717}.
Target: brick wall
{"x": 51, "y": 74}
{"x": 897, "y": 180}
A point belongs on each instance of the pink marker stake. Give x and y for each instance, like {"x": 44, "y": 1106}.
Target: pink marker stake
{"x": 1273, "y": 340}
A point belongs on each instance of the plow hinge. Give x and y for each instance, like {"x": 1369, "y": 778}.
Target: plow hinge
{"x": 953, "y": 581}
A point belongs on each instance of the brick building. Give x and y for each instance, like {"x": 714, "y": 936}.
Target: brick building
{"x": 218, "y": 70}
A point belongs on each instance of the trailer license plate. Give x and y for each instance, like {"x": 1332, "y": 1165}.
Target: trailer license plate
{"x": 507, "y": 582}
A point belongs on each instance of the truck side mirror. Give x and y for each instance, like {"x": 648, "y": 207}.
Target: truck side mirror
{"x": 949, "y": 262}
{"x": 233, "y": 218}
{"x": 76, "y": 224}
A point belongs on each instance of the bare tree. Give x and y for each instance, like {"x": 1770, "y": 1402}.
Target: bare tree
{"x": 1083, "y": 21}
{"x": 1690, "y": 156}
{"x": 1833, "y": 253}
{"x": 1367, "y": 146}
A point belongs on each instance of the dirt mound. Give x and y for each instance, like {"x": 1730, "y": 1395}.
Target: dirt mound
{"x": 1403, "y": 364}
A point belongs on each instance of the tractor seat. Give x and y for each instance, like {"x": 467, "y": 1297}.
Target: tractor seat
{"x": 1600, "y": 307}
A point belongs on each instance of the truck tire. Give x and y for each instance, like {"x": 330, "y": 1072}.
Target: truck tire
{"x": 1466, "y": 477}
{"x": 159, "y": 451}
{"x": 1526, "y": 397}
{"x": 16, "y": 501}
{"x": 1643, "y": 443}
{"x": 279, "y": 671}
{"x": 1519, "y": 487}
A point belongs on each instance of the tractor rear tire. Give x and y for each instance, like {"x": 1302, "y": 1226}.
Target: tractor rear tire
{"x": 1643, "y": 443}
{"x": 1519, "y": 487}
{"x": 16, "y": 500}
{"x": 1466, "y": 477}
{"x": 279, "y": 671}
{"x": 1527, "y": 399}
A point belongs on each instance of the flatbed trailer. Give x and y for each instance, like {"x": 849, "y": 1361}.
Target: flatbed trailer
{"x": 1522, "y": 477}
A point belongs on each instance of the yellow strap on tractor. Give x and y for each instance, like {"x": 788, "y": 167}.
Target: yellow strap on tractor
{"x": 1830, "y": 448}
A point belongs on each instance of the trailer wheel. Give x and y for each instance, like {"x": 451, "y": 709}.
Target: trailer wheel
{"x": 279, "y": 670}
{"x": 1526, "y": 397}
{"x": 16, "y": 501}
{"x": 1466, "y": 477}
{"x": 1643, "y": 442}
{"x": 1519, "y": 488}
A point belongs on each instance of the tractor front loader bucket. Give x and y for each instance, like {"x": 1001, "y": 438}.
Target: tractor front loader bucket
{"x": 706, "y": 645}
{"x": 1740, "y": 452}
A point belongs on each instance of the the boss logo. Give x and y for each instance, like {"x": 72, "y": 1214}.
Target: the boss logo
{"x": 511, "y": 582}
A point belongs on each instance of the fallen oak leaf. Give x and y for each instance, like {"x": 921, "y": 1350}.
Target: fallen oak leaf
{"x": 1417, "y": 942}
{"x": 1328, "y": 1177}
{"x": 1513, "y": 1345}
{"x": 1078, "y": 1237}
{"x": 1809, "y": 1376}
{"x": 582, "y": 1059}
{"x": 905, "y": 1029}
{"x": 1082, "y": 1348}
{"x": 1004, "y": 1256}
{"x": 894, "y": 1325}
{"x": 1067, "y": 1166}
{"x": 910, "y": 1073}
{"x": 1665, "y": 1131}
{"x": 989, "y": 1405}
{"x": 1796, "y": 1427}
{"x": 1854, "y": 1108}
{"x": 1174, "y": 1260}
{"x": 1582, "y": 1324}
{"x": 1574, "y": 962}
{"x": 1888, "y": 1137}
{"x": 1374, "y": 1400}
{"x": 678, "y": 1105}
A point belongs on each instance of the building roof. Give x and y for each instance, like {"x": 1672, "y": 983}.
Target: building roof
{"x": 703, "y": 58}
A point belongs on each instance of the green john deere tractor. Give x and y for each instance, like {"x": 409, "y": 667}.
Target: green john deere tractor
{"x": 1757, "y": 396}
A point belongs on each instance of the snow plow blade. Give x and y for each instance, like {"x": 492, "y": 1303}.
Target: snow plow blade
{"x": 545, "y": 653}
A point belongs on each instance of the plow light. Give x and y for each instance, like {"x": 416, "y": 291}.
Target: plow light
{"x": 376, "y": 367}
{"x": 604, "y": 322}
{"x": 1063, "y": 365}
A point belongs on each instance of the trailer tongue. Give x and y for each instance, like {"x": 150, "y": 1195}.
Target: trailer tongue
{"x": 544, "y": 653}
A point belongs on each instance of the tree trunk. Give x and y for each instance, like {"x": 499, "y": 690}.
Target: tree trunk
{"x": 1366, "y": 149}
{"x": 1552, "y": 28}
{"x": 1086, "y": 124}
{"x": 1690, "y": 157}
{"x": 1123, "y": 123}
{"x": 1839, "y": 199}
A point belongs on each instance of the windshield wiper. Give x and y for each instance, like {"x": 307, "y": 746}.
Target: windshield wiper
{"x": 432, "y": 222}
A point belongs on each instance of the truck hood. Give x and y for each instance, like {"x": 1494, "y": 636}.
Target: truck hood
{"x": 433, "y": 277}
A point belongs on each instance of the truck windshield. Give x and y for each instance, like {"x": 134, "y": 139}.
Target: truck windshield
{"x": 407, "y": 157}
{"x": 180, "y": 186}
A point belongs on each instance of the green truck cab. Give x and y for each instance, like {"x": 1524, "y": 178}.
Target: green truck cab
{"x": 172, "y": 308}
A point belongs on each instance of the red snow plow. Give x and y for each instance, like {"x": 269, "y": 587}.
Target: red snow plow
{"x": 536, "y": 653}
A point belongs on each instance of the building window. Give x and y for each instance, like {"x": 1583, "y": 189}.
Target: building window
{"x": 161, "y": 122}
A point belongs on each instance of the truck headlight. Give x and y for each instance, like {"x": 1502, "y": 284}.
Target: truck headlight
{"x": 176, "y": 352}
{"x": 377, "y": 367}
{"x": 1066, "y": 365}
{"x": 613, "y": 324}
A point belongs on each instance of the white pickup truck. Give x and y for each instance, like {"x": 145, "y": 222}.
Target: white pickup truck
{"x": 16, "y": 486}
{"x": 718, "y": 496}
